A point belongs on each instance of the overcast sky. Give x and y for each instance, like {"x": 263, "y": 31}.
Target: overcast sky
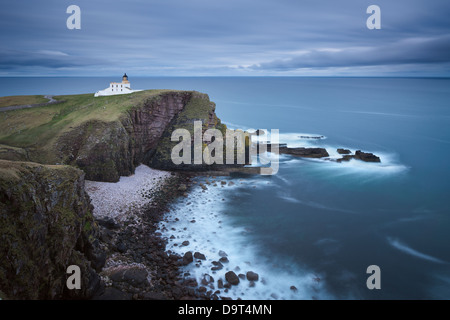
{"x": 225, "y": 38}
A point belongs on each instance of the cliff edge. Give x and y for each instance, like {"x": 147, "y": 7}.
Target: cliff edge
{"x": 106, "y": 137}
{"x": 46, "y": 225}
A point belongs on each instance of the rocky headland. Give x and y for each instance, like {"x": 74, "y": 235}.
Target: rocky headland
{"x": 47, "y": 220}
{"x": 70, "y": 195}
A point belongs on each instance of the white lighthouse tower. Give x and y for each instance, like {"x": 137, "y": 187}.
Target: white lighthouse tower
{"x": 114, "y": 88}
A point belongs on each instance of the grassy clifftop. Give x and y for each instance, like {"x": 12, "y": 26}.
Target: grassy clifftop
{"x": 38, "y": 128}
{"x": 21, "y": 100}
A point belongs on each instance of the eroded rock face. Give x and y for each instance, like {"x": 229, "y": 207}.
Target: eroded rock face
{"x": 46, "y": 225}
{"x": 107, "y": 150}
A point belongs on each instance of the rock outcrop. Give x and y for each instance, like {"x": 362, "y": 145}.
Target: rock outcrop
{"x": 359, "y": 155}
{"x": 343, "y": 151}
{"x": 46, "y": 225}
{"x": 107, "y": 150}
{"x": 305, "y": 152}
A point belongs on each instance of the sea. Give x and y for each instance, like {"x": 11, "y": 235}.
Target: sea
{"x": 312, "y": 230}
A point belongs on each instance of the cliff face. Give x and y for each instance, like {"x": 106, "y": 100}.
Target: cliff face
{"x": 46, "y": 225}
{"x": 46, "y": 221}
{"x": 107, "y": 150}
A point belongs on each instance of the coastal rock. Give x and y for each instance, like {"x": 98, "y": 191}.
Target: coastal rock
{"x": 232, "y": 278}
{"x": 222, "y": 253}
{"x": 252, "y": 276}
{"x": 108, "y": 223}
{"x": 359, "y": 155}
{"x": 367, "y": 157}
{"x": 343, "y": 151}
{"x": 207, "y": 279}
{"x": 188, "y": 258}
{"x": 46, "y": 225}
{"x": 135, "y": 276}
{"x": 217, "y": 266}
{"x": 346, "y": 157}
{"x": 200, "y": 256}
{"x": 305, "y": 152}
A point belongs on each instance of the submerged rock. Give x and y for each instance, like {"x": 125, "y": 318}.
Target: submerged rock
{"x": 252, "y": 276}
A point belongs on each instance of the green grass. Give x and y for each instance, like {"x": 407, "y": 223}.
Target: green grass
{"x": 35, "y": 127}
{"x": 21, "y": 100}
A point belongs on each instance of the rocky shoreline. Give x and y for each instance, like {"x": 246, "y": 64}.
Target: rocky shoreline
{"x": 138, "y": 267}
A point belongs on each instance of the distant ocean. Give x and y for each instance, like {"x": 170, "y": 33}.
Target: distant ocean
{"x": 317, "y": 225}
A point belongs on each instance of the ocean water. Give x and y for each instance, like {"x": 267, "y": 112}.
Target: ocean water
{"x": 317, "y": 225}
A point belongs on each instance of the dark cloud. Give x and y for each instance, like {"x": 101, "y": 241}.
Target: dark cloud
{"x": 408, "y": 51}
{"x": 220, "y": 37}
{"x": 11, "y": 59}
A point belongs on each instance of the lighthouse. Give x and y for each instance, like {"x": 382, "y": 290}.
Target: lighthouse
{"x": 114, "y": 88}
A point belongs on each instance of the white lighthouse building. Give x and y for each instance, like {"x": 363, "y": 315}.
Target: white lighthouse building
{"x": 123, "y": 87}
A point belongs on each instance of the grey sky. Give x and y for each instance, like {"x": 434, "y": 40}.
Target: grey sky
{"x": 226, "y": 37}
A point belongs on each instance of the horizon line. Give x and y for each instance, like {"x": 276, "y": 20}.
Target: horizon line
{"x": 225, "y": 76}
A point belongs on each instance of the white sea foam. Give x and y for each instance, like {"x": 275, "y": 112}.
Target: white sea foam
{"x": 406, "y": 249}
{"x": 214, "y": 230}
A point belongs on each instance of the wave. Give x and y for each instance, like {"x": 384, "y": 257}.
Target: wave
{"x": 408, "y": 250}
{"x": 287, "y": 197}
{"x": 381, "y": 113}
{"x": 202, "y": 220}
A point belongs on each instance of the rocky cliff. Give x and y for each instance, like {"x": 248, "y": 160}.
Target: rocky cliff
{"x": 46, "y": 225}
{"x": 107, "y": 150}
{"x": 46, "y": 221}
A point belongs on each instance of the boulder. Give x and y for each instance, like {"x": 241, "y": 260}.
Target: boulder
{"x": 252, "y": 276}
{"x": 188, "y": 258}
{"x": 200, "y": 256}
{"x": 137, "y": 277}
{"x": 217, "y": 266}
{"x": 232, "y": 278}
